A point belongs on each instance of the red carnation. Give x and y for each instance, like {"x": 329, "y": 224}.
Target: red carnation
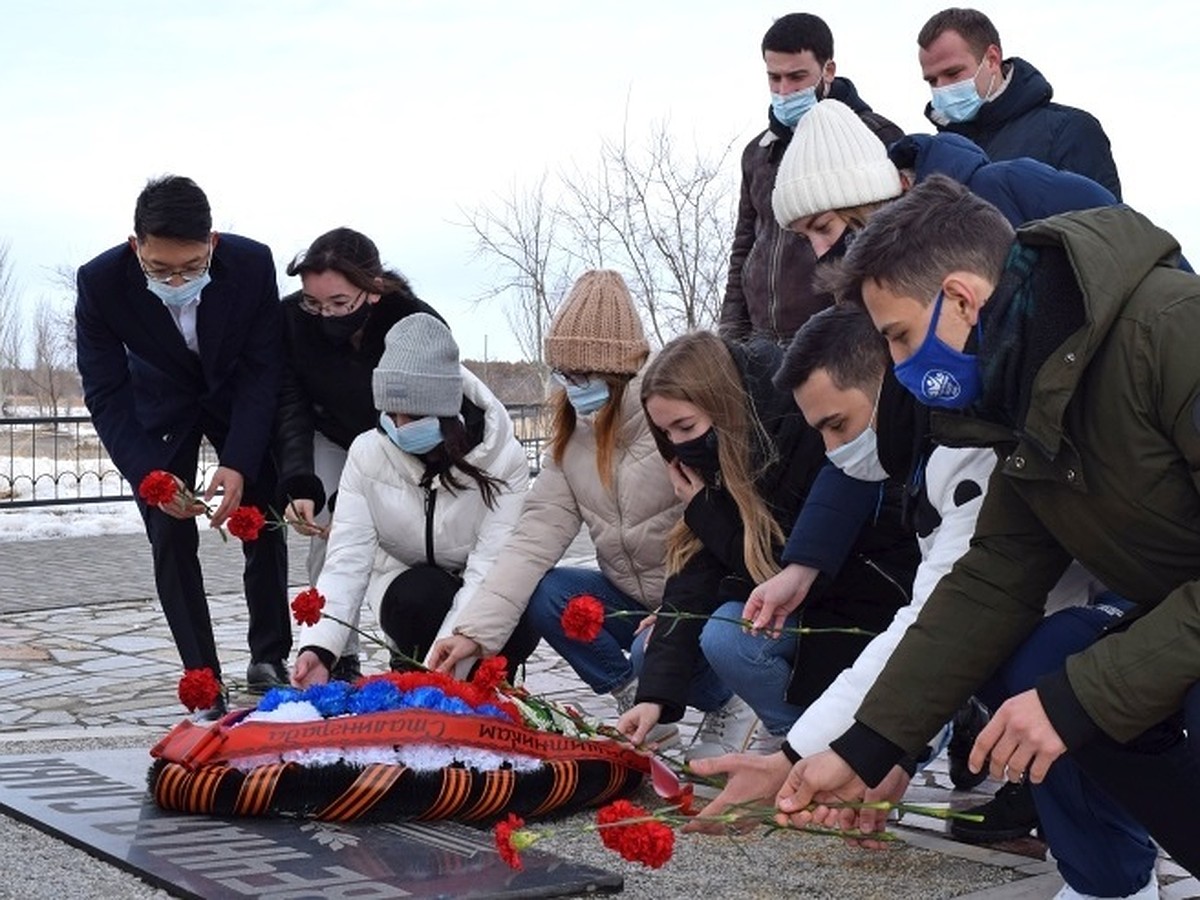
{"x": 507, "y": 840}
{"x": 306, "y": 608}
{"x": 246, "y": 522}
{"x": 583, "y": 618}
{"x": 158, "y": 488}
{"x": 198, "y": 688}
{"x": 490, "y": 674}
{"x": 644, "y": 840}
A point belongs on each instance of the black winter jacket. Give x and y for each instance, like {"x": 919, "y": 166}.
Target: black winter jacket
{"x": 327, "y": 388}
{"x": 1023, "y": 122}
{"x": 769, "y": 289}
{"x": 871, "y": 586}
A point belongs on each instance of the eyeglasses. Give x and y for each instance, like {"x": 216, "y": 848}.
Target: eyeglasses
{"x": 315, "y": 307}
{"x": 189, "y": 273}
{"x": 571, "y": 379}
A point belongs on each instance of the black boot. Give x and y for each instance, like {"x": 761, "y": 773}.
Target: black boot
{"x": 1007, "y": 816}
{"x": 968, "y": 722}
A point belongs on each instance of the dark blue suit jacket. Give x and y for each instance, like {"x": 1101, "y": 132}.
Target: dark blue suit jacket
{"x": 147, "y": 392}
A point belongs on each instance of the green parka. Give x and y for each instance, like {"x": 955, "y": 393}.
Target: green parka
{"x": 1103, "y": 467}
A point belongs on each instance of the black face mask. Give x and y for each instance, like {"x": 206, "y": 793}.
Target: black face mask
{"x": 839, "y": 247}
{"x": 339, "y": 329}
{"x": 700, "y": 453}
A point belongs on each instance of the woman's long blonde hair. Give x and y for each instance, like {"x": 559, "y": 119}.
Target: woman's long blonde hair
{"x": 606, "y": 426}
{"x": 698, "y": 368}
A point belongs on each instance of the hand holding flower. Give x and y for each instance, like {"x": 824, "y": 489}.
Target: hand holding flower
{"x": 231, "y": 482}
{"x": 301, "y": 515}
{"x": 751, "y": 779}
{"x": 636, "y": 723}
{"x": 449, "y": 651}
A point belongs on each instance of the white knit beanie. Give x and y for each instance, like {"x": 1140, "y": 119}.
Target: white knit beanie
{"x": 834, "y": 161}
{"x": 418, "y": 373}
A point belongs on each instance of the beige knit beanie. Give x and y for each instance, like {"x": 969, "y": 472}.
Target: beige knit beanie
{"x": 834, "y": 161}
{"x": 597, "y": 329}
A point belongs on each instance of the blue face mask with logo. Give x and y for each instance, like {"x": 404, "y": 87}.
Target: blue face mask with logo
{"x": 937, "y": 374}
{"x": 959, "y": 102}
{"x": 790, "y": 108}
{"x": 179, "y": 295}
{"x": 416, "y": 437}
{"x": 587, "y": 397}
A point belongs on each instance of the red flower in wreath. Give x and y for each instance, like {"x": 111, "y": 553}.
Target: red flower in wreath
{"x": 490, "y": 673}
{"x": 199, "y": 688}
{"x": 583, "y": 618}
{"x": 644, "y": 840}
{"x": 307, "y": 606}
{"x": 158, "y": 488}
{"x": 510, "y": 840}
{"x": 246, "y": 522}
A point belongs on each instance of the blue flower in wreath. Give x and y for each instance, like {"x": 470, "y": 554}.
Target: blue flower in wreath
{"x": 276, "y": 697}
{"x": 332, "y": 699}
{"x": 374, "y": 696}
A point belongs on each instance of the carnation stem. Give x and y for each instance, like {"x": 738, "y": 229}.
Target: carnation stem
{"x": 679, "y": 615}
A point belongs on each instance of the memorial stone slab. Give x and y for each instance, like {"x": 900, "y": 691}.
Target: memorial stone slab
{"x": 98, "y": 801}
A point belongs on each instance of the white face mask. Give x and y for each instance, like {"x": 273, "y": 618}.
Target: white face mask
{"x": 859, "y": 458}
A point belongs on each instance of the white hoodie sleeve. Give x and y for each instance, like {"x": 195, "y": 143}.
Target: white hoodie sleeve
{"x": 947, "y": 475}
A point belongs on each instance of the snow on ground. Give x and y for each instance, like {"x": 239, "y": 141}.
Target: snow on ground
{"x": 85, "y": 520}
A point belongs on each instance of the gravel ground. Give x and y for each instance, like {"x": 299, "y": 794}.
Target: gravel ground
{"x": 758, "y": 865}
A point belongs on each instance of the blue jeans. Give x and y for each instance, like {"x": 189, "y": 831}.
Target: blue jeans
{"x": 755, "y": 667}
{"x": 602, "y": 664}
{"x": 1099, "y": 847}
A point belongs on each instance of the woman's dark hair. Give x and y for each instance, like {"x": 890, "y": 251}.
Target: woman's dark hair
{"x": 354, "y": 256}
{"x": 451, "y": 454}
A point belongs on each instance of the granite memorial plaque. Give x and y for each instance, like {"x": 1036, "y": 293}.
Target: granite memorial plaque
{"x": 98, "y": 801}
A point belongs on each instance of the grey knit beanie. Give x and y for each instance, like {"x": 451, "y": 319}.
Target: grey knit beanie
{"x": 834, "y": 161}
{"x": 418, "y": 373}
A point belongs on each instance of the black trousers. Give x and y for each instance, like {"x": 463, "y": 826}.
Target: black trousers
{"x": 174, "y": 545}
{"x": 415, "y": 604}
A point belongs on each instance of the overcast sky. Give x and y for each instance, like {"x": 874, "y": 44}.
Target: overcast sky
{"x": 394, "y": 117}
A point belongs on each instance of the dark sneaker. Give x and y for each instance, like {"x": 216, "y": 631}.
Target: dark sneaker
{"x": 217, "y": 711}
{"x": 1007, "y": 816}
{"x": 347, "y": 669}
{"x": 968, "y": 722}
{"x": 262, "y": 676}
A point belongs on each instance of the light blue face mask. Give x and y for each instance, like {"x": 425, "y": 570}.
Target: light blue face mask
{"x": 859, "y": 458}
{"x": 416, "y": 437}
{"x": 587, "y": 397}
{"x": 790, "y": 108}
{"x": 960, "y": 102}
{"x": 180, "y": 295}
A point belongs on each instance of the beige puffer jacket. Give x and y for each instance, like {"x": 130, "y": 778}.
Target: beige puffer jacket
{"x": 628, "y": 525}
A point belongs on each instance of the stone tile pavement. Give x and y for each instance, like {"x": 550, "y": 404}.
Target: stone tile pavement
{"x": 84, "y": 652}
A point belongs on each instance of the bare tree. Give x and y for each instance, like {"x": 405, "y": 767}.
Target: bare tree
{"x": 53, "y": 374}
{"x": 10, "y": 328}
{"x": 520, "y": 237}
{"x": 662, "y": 219}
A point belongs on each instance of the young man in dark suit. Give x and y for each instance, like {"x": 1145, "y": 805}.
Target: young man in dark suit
{"x": 178, "y": 337}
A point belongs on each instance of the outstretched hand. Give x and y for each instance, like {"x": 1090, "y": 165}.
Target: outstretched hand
{"x": 636, "y": 723}
{"x": 778, "y": 597}
{"x": 751, "y": 779}
{"x": 1020, "y": 740}
{"x": 309, "y": 670}
{"x": 824, "y": 778}
{"x": 451, "y": 650}
{"x": 231, "y": 482}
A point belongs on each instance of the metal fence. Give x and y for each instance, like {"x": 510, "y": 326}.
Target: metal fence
{"x": 59, "y": 460}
